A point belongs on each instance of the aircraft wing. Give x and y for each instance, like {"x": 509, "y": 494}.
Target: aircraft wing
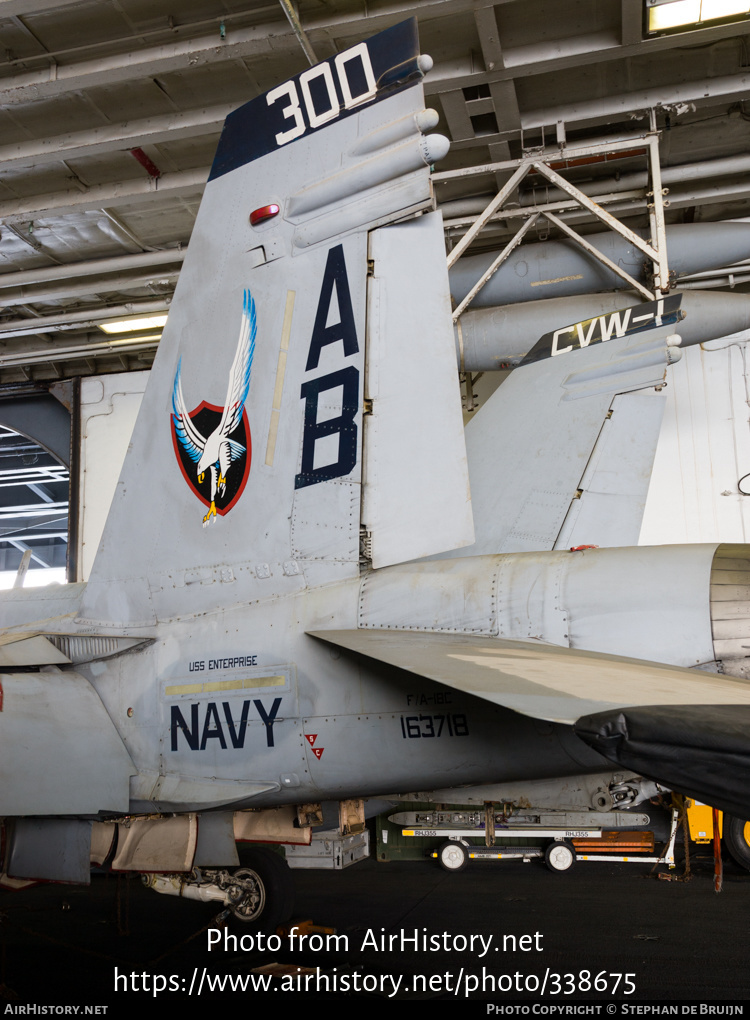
{"x": 539, "y": 679}
{"x": 683, "y": 728}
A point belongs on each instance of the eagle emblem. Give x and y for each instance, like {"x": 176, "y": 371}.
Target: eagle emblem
{"x": 213, "y": 444}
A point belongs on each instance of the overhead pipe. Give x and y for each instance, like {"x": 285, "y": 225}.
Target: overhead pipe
{"x": 56, "y": 291}
{"x": 94, "y": 267}
{"x": 98, "y": 195}
{"x": 573, "y": 214}
{"x": 495, "y": 338}
{"x": 661, "y": 98}
{"x": 50, "y": 355}
{"x": 558, "y": 268}
{"x": 78, "y": 320}
{"x": 609, "y": 185}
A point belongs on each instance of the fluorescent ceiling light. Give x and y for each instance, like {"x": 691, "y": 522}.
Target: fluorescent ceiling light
{"x": 133, "y": 325}
{"x": 684, "y": 13}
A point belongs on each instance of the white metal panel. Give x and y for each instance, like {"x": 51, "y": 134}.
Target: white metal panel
{"x": 651, "y": 603}
{"x": 455, "y": 596}
{"x": 156, "y": 844}
{"x": 416, "y": 500}
{"x": 615, "y": 483}
{"x": 109, "y": 406}
{"x": 704, "y": 449}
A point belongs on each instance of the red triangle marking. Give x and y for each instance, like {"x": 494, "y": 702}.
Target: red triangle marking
{"x": 318, "y": 752}
{"x": 311, "y": 737}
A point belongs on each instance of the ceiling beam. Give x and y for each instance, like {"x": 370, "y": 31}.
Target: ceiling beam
{"x": 22, "y": 547}
{"x": 274, "y": 38}
{"x": 82, "y": 319}
{"x": 178, "y": 54}
{"x": 179, "y": 183}
{"x": 185, "y": 182}
{"x": 12, "y": 8}
{"x": 435, "y": 82}
{"x": 115, "y": 137}
{"x": 728, "y": 88}
{"x": 94, "y": 267}
{"x": 61, "y": 289}
{"x": 489, "y": 37}
{"x": 81, "y": 351}
{"x": 631, "y": 21}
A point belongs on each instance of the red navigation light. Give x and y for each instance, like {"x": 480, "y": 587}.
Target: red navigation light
{"x": 266, "y": 212}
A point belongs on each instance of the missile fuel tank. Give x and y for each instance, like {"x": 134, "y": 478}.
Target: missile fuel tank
{"x": 488, "y": 339}
{"x": 548, "y": 269}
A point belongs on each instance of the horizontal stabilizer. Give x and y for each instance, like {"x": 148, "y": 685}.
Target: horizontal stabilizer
{"x": 538, "y": 679}
{"x": 53, "y": 849}
{"x": 28, "y": 650}
{"x": 701, "y": 752}
{"x": 60, "y": 753}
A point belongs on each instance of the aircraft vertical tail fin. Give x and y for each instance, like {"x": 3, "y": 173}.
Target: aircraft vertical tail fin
{"x": 535, "y": 484}
{"x": 244, "y": 475}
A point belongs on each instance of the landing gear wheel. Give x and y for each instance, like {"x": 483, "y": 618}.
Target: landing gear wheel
{"x": 263, "y": 896}
{"x": 453, "y": 856}
{"x": 737, "y": 840}
{"x": 560, "y": 856}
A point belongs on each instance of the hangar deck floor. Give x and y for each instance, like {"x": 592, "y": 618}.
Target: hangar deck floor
{"x": 680, "y": 941}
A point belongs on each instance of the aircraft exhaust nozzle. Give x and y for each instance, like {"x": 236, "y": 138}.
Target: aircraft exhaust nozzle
{"x": 488, "y": 339}
{"x": 688, "y": 605}
{"x": 682, "y": 605}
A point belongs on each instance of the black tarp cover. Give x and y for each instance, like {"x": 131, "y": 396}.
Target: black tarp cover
{"x": 702, "y": 751}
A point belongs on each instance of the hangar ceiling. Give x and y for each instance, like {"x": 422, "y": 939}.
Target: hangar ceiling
{"x": 110, "y": 112}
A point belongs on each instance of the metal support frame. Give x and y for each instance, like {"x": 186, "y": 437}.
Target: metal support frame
{"x": 662, "y": 281}
{"x": 22, "y": 547}
{"x": 491, "y": 270}
{"x": 522, "y": 168}
{"x": 293, "y": 18}
{"x": 656, "y": 251}
{"x": 469, "y": 381}
{"x": 598, "y": 255}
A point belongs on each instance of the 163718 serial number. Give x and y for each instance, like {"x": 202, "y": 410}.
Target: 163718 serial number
{"x": 454, "y": 724}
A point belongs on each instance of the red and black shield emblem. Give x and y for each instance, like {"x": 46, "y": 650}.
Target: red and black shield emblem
{"x": 206, "y": 419}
